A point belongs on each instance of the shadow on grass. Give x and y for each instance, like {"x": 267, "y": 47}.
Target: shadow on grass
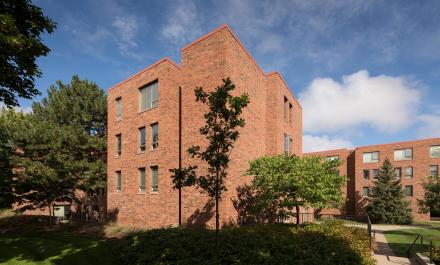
{"x": 53, "y": 248}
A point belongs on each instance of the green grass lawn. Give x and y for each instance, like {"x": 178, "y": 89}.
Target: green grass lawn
{"x": 401, "y": 240}
{"x": 53, "y": 248}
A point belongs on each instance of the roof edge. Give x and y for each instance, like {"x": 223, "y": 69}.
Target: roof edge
{"x": 400, "y": 142}
{"x": 165, "y": 59}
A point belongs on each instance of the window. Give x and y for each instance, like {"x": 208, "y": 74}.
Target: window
{"x": 142, "y": 185}
{"x": 403, "y": 154}
{"x": 366, "y": 173}
{"x": 371, "y": 157}
{"x": 366, "y": 191}
{"x": 375, "y": 173}
{"x": 290, "y": 113}
{"x": 433, "y": 170}
{"x": 409, "y": 190}
{"x": 154, "y": 136}
{"x": 409, "y": 172}
{"x": 154, "y": 179}
{"x": 118, "y": 181}
{"x": 330, "y": 158}
{"x": 434, "y": 151}
{"x": 118, "y": 144}
{"x": 142, "y": 139}
{"x": 287, "y": 144}
{"x": 149, "y": 96}
{"x": 118, "y": 108}
{"x": 398, "y": 172}
{"x": 286, "y": 109}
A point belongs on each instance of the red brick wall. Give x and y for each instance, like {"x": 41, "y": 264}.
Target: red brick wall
{"x": 204, "y": 63}
{"x": 354, "y": 167}
{"x": 420, "y": 163}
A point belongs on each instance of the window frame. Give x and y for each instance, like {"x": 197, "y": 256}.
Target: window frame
{"x": 412, "y": 172}
{"x": 372, "y": 155}
{"x": 154, "y": 187}
{"x": 368, "y": 174}
{"x": 411, "y": 189}
{"x": 404, "y": 154}
{"x": 431, "y": 171}
{"x": 142, "y": 188}
{"x": 365, "y": 188}
{"x": 151, "y": 102}
{"x": 437, "y": 152}
{"x": 118, "y": 108}
{"x": 142, "y": 147}
{"x": 118, "y": 144}
{"x": 118, "y": 185}
{"x": 400, "y": 172}
{"x": 154, "y": 138}
{"x": 375, "y": 176}
{"x": 286, "y": 137}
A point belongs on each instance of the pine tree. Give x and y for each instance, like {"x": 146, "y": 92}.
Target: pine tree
{"x": 62, "y": 149}
{"x": 387, "y": 203}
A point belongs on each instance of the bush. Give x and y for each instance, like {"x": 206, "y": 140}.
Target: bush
{"x": 329, "y": 243}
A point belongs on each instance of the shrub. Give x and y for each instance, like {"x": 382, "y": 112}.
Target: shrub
{"x": 329, "y": 243}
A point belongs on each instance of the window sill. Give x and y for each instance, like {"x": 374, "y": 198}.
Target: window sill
{"x": 141, "y": 193}
{"x": 154, "y": 192}
{"x": 118, "y": 119}
{"x": 117, "y": 156}
{"x": 139, "y": 152}
{"x": 118, "y": 192}
{"x": 142, "y": 111}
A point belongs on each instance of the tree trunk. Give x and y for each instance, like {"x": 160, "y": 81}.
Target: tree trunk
{"x": 217, "y": 225}
{"x": 297, "y": 215}
{"x": 50, "y": 214}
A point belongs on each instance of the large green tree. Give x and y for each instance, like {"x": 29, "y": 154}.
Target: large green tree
{"x": 431, "y": 200}
{"x": 387, "y": 203}
{"x": 21, "y": 24}
{"x": 287, "y": 183}
{"x": 6, "y": 116}
{"x": 221, "y": 130}
{"x": 62, "y": 148}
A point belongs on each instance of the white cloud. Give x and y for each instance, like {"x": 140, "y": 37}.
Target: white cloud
{"x": 127, "y": 28}
{"x": 321, "y": 143}
{"x": 430, "y": 125}
{"x": 183, "y": 22}
{"x": 384, "y": 102}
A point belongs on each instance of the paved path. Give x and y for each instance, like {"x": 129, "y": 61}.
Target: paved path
{"x": 384, "y": 254}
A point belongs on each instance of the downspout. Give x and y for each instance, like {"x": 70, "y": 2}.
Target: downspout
{"x": 180, "y": 154}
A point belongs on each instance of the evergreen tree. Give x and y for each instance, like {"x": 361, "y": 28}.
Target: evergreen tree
{"x": 5, "y": 163}
{"x": 62, "y": 149}
{"x": 387, "y": 203}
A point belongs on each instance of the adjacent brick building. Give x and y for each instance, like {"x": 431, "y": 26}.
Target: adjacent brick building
{"x": 143, "y": 129}
{"x": 412, "y": 160}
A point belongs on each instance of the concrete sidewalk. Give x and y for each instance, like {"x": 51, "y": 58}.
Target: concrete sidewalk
{"x": 385, "y": 255}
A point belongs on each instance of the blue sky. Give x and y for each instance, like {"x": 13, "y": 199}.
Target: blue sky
{"x": 366, "y": 72}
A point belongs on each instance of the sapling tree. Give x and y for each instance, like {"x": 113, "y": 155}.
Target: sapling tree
{"x": 221, "y": 130}
{"x": 289, "y": 182}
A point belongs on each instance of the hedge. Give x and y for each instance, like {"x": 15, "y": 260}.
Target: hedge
{"x": 328, "y": 243}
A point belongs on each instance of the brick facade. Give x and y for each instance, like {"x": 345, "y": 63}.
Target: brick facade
{"x": 420, "y": 164}
{"x": 205, "y": 63}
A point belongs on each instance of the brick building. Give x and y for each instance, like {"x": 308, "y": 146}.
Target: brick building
{"x": 413, "y": 162}
{"x": 143, "y": 131}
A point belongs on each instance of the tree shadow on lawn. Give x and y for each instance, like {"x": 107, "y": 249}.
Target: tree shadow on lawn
{"x": 268, "y": 244}
{"x": 53, "y": 248}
